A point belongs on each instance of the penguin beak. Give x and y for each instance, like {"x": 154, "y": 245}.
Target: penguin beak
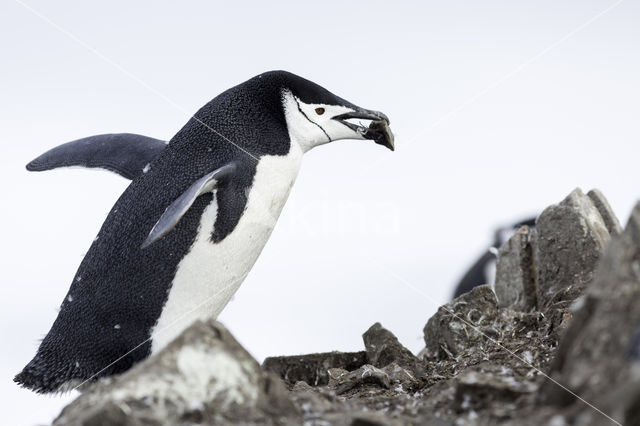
{"x": 378, "y": 130}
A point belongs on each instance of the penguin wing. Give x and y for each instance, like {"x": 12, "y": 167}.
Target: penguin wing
{"x": 126, "y": 154}
{"x": 180, "y": 206}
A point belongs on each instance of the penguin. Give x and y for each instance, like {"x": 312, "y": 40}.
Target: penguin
{"x": 484, "y": 269}
{"x": 187, "y": 230}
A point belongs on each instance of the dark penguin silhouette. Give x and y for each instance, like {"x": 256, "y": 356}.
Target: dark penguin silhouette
{"x": 478, "y": 273}
{"x": 185, "y": 233}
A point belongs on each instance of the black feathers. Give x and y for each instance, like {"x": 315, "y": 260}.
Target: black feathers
{"x": 123, "y": 153}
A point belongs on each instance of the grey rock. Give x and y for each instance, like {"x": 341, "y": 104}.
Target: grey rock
{"x": 383, "y": 348}
{"x": 204, "y": 376}
{"x": 633, "y": 351}
{"x": 571, "y": 238}
{"x": 406, "y": 379}
{"x": 476, "y": 389}
{"x": 515, "y": 282}
{"x": 367, "y": 374}
{"x": 111, "y": 414}
{"x": 595, "y": 357}
{"x": 314, "y": 403}
{"x": 483, "y": 364}
{"x": 335, "y": 374}
{"x": 301, "y": 386}
{"x": 313, "y": 368}
{"x": 461, "y": 323}
{"x": 606, "y": 212}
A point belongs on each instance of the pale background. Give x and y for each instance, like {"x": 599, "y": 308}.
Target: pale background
{"x": 499, "y": 109}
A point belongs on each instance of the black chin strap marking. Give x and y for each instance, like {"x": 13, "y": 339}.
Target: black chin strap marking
{"x": 310, "y": 121}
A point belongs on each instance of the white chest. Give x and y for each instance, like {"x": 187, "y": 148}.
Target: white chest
{"x": 210, "y": 273}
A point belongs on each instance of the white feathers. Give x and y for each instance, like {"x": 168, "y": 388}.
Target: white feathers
{"x": 210, "y": 273}
{"x": 309, "y": 128}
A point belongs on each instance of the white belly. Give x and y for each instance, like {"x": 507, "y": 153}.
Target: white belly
{"x": 210, "y": 273}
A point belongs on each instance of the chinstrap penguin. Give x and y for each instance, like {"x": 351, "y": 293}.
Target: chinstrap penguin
{"x": 186, "y": 232}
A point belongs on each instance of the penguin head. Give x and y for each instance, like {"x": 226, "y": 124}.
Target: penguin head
{"x": 315, "y": 116}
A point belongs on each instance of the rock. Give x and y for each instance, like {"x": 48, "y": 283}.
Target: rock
{"x": 477, "y": 389}
{"x": 405, "y": 379}
{"x": 313, "y": 369}
{"x": 459, "y": 324}
{"x": 606, "y": 213}
{"x": 383, "y": 348}
{"x": 515, "y": 282}
{"x": 367, "y": 374}
{"x": 204, "y": 376}
{"x": 571, "y": 238}
{"x": 596, "y": 356}
{"x": 485, "y": 360}
{"x": 392, "y": 375}
{"x": 335, "y": 374}
{"x": 112, "y": 414}
{"x": 633, "y": 352}
{"x": 301, "y": 386}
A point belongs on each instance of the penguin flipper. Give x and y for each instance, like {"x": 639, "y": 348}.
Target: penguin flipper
{"x": 179, "y": 207}
{"x": 126, "y": 154}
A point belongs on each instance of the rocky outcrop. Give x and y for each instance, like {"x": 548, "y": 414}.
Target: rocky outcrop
{"x": 598, "y": 358}
{"x": 384, "y": 349}
{"x": 204, "y": 376}
{"x": 571, "y": 237}
{"x": 515, "y": 283}
{"x": 313, "y": 369}
{"x": 557, "y": 343}
{"x": 461, "y": 324}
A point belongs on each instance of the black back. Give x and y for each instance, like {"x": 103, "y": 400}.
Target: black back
{"x": 120, "y": 284}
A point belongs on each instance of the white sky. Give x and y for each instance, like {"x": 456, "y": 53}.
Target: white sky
{"x": 499, "y": 109}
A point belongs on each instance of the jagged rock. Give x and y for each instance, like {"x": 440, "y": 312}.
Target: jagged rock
{"x": 313, "y": 368}
{"x": 595, "y": 358}
{"x": 483, "y": 364}
{"x": 405, "y": 379}
{"x": 571, "y": 238}
{"x": 367, "y": 374}
{"x": 383, "y": 348}
{"x": 335, "y": 374}
{"x": 515, "y": 282}
{"x": 476, "y": 389}
{"x": 204, "y": 376}
{"x": 461, "y": 323}
{"x": 402, "y": 379}
{"x": 606, "y": 212}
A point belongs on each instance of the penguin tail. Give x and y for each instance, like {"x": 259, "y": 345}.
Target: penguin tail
{"x": 41, "y": 378}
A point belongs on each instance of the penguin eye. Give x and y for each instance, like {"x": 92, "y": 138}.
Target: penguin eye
{"x": 319, "y": 111}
